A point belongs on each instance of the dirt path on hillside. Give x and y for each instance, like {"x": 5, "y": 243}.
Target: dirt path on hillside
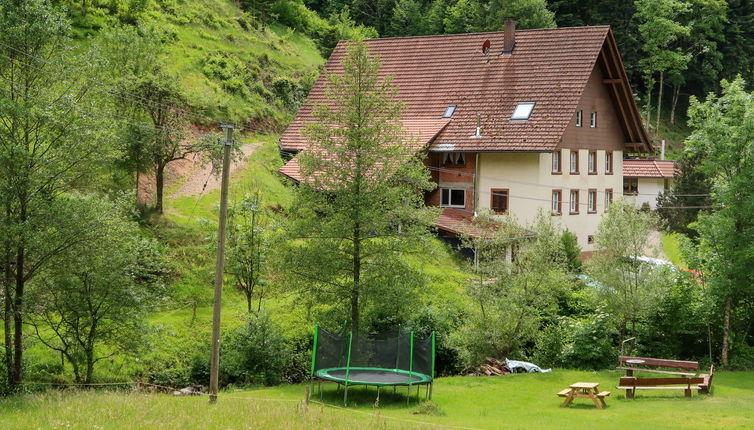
{"x": 191, "y": 176}
{"x": 654, "y": 246}
{"x": 198, "y": 176}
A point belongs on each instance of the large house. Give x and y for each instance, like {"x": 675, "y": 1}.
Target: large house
{"x": 514, "y": 121}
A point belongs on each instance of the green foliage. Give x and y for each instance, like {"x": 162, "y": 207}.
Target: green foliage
{"x": 723, "y": 126}
{"x": 512, "y": 298}
{"x": 630, "y": 287}
{"x": 572, "y": 251}
{"x": 90, "y": 304}
{"x": 465, "y": 16}
{"x": 254, "y": 354}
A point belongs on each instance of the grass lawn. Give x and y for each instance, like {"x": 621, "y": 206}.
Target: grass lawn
{"x": 672, "y": 249}
{"x": 515, "y": 402}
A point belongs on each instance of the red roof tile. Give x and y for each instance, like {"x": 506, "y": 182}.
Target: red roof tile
{"x": 548, "y": 66}
{"x": 457, "y": 221}
{"x": 420, "y": 132}
{"x": 648, "y": 168}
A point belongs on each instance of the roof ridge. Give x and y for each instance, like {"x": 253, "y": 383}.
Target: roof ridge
{"x": 527, "y": 30}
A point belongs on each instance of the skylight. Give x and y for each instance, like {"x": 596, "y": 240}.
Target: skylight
{"x": 449, "y": 111}
{"x": 523, "y": 110}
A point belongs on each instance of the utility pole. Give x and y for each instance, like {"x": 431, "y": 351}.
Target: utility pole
{"x": 219, "y": 266}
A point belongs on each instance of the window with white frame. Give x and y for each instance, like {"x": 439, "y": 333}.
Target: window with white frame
{"x": 592, "y": 200}
{"x": 557, "y": 202}
{"x": 556, "y": 161}
{"x": 608, "y": 198}
{"x": 579, "y": 117}
{"x": 453, "y": 197}
{"x": 592, "y": 162}
{"x": 593, "y": 120}
{"x": 574, "y": 154}
{"x": 609, "y": 162}
{"x": 574, "y": 203}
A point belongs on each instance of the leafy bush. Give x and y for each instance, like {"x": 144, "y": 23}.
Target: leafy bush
{"x": 254, "y": 354}
{"x": 590, "y": 343}
{"x": 742, "y": 357}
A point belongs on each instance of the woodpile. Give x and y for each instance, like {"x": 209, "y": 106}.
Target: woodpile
{"x": 492, "y": 367}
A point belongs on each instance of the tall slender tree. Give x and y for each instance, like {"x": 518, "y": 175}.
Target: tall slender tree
{"x": 360, "y": 208}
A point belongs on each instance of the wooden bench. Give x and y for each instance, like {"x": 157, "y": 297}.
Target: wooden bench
{"x": 564, "y": 393}
{"x": 633, "y": 383}
{"x": 686, "y": 374}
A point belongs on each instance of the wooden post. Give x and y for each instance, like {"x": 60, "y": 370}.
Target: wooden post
{"x": 219, "y": 267}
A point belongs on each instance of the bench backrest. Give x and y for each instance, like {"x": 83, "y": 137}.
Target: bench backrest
{"x": 632, "y": 381}
{"x": 658, "y": 362}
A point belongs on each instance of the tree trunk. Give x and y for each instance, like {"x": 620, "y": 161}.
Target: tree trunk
{"x": 7, "y": 310}
{"x": 84, "y": 7}
{"x": 650, "y": 85}
{"x": 659, "y": 101}
{"x": 726, "y": 331}
{"x": 248, "y": 299}
{"x": 676, "y": 94}
{"x": 160, "y": 185}
{"x": 18, "y": 321}
{"x": 138, "y": 177}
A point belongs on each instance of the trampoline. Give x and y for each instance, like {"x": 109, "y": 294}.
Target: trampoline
{"x": 369, "y": 376}
{"x": 389, "y": 359}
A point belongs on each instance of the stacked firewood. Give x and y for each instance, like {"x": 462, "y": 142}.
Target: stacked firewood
{"x": 492, "y": 367}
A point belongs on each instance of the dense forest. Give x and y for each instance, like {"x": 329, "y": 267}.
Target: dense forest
{"x": 106, "y": 262}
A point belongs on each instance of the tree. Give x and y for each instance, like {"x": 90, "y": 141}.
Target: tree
{"x": 48, "y": 140}
{"x": 247, "y": 245}
{"x": 433, "y": 22}
{"x": 528, "y": 14}
{"x": 679, "y": 207}
{"x": 513, "y": 294}
{"x": 406, "y": 20}
{"x": 722, "y": 139}
{"x": 360, "y": 208}
{"x": 89, "y": 305}
{"x": 464, "y": 16}
{"x": 660, "y": 31}
{"x": 629, "y": 286}
{"x": 706, "y": 21}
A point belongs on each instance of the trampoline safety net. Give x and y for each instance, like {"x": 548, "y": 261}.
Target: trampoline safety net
{"x": 397, "y": 358}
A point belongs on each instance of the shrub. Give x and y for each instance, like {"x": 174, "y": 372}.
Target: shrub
{"x": 590, "y": 343}
{"x": 254, "y": 354}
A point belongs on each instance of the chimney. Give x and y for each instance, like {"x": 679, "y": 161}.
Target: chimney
{"x": 509, "y": 35}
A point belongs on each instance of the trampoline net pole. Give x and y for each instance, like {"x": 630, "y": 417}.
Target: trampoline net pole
{"x": 410, "y": 365}
{"x": 314, "y": 350}
{"x": 348, "y": 368}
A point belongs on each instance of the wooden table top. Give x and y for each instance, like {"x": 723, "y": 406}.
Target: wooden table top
{"x": 585, "y": 385}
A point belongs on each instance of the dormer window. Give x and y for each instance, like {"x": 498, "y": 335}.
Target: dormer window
{"x": 449, "y": 111}
{"x": 579, "y": 117}
{"x": 522, "y": 111}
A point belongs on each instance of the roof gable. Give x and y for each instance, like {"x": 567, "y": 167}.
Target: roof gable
{"x": 548, "y": 66}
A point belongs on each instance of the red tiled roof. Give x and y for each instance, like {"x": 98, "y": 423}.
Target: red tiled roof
{"x": 648, "y": 168}
{"x": 420, "y": 132}
{"x": 457, "y": 221}
{"x": 548, "y": 66}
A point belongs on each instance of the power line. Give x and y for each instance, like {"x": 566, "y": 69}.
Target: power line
{"x": 440, "y": 169}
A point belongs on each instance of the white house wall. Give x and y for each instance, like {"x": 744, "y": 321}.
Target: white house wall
{"x": 530, "y": 182}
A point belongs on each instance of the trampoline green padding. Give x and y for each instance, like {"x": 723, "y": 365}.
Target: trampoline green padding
{"x": 394, "y": 358}
{"x": 372, "y": 376}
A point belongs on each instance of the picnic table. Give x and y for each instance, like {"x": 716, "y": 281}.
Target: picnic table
{"x": 584, "y": 390}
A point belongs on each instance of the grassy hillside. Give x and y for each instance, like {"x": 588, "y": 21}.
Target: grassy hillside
{"x": 229, "y": 65}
